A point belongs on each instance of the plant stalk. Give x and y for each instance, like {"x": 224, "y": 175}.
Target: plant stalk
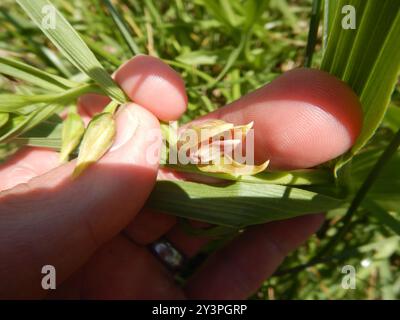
{"x": 360, "y": 195}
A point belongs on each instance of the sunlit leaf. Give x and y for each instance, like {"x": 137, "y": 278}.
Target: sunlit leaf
{"x": 238, "y": 204}
{"x": 367, "y": 58}
{"x": 34, "y": 76}
{"x": 3, "y": 118}
{"x": 68, "y": 41}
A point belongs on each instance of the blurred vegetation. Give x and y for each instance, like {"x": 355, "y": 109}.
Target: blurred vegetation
{"x": 224, "y": 49}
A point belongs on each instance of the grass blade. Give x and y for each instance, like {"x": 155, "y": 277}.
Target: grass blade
{"x": 238, "y": 204}
{"x": 313, "y": 32}
{"x": 14, "y": 102}
{"x": 18, "y": 124}
{"x": 368, "y": 59}
{"x": 122, "y": 27}
{"x": 67, "y": 40}
{"x": 35, "y": 76}
{"x": 382, "y": 216}
{"x": 3, "y": 118}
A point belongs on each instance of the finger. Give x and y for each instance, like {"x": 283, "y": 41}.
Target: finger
{"x": 187, "y": 243}
{"x": 150, "y": 83}
{"x": 149, "y": 225}
{"x": 236, "y": 271}
{"x": 26, "y": 164}
{"x": 303, "y": 118}
{"x": 58, "y": 221}
{"x": 121, "y": 270}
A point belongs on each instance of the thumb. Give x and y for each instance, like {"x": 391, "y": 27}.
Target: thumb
{"x": 53, "y": 220}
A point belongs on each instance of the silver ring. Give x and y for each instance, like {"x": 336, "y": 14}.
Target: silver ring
{"x": 171, "y": 257}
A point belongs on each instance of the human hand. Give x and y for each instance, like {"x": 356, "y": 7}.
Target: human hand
{"x": 94, "y": 230}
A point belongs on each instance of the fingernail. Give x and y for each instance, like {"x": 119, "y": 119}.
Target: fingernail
{"x": 127, "y": 123}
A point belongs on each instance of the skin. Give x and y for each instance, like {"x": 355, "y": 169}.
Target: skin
{"x": 95, "y": 229}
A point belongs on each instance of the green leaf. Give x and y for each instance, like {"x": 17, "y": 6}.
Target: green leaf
{"x": 3, "y": 118}
{"x": 294, "y": 177}
{"x": 313, "y": 32}
{"x": 14, "y": 102}
{"x": 232, "y": 58}
{"x": 253, "y": 10}
{"x": 385, "y": 190}
{"x": 392, "y": 118}
{"x": 223, "y": 11}
{"x": 67, "y": 40}
{"x": 199, "y": 57}
{"x": 237, "y": 205}
{"x": 51, "y": 143}
{"x": 73, "y": 129}
{"x": 382, "y": 216}
{"x": 367, "y": 58}
{"x": 18, "y": 124}
{"x": 329, "y": 15}
{"x": 47, "y": 134}
{"x": 98, "y": 138}
{"x": 48, "y": 128}
{"x": 122, "y": 27}
{"x": 35, "y": 76}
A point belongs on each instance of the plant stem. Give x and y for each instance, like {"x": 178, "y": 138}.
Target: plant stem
{"x": 360, "y": 195}
{"x": 313, "y": 32}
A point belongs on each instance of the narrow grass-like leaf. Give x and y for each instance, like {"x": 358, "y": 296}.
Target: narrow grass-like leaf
{"x": 35, "y": 76}
{"x": 238, "y": 204}
{"x": 382, "y": 216}
{"x": 13, "y": 102}
{"x": 3, "y": 118}
{"x": 392, "y": 118}
{"x": 367, "y": 58}
{"x": 361, "y": 194}
{"x": 313, "y": 32}
{"x": 232, "y": 58}
{"x": 50, "y": 143}
{"x": 19, "y": 124}
{"x": 67, "y": 40}
{"x": 198, "y": 57}
{"x": 122, "y": 27}
{"x": 46, "y": 134}
{"x": 253, "y": 10}
{"x": 50, "y": 128}
{"x": 294, "y": 177}
{"x": 329, "y": 15}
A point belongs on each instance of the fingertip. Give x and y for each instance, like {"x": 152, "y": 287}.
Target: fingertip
{"x": 138, "y": 138}
{"x": 323, "y": 90}
{"x": 301, "y": 119}
{"x": 154, "y": 85}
